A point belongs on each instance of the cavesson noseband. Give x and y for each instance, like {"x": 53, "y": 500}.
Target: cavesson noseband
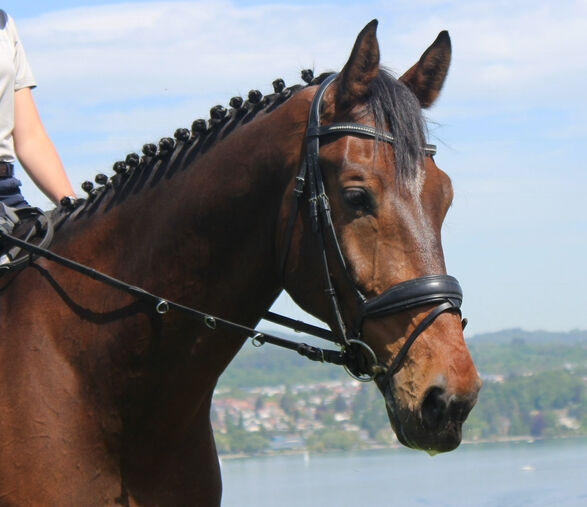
{"x": 441, "y": 290}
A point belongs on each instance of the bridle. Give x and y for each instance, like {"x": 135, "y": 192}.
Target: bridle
{"x": 442, "y": 290}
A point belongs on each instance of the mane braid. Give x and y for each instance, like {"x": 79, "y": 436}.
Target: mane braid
{"x": 162, "y": 161}
{"x": 392, "y": 105}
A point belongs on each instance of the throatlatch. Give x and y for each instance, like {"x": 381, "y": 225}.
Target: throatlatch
{"x": 442, "y": 291}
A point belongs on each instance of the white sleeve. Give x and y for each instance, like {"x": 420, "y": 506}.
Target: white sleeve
{"x": 24, "y": 74}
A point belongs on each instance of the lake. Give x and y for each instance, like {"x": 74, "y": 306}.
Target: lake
{"x": 541, "y": 473}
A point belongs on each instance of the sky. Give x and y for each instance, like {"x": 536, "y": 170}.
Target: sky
{"x": 510, "y": 123}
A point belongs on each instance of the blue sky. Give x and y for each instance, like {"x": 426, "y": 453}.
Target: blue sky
{"x": 510, "y": 124}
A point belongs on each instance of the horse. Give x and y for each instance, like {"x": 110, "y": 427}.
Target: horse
{"x": 327, "y": 190}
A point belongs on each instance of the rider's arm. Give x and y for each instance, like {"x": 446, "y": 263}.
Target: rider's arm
{"x": 35, "y": 151}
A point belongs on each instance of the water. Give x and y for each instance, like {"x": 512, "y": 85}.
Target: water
{"x": 549, "y": 473}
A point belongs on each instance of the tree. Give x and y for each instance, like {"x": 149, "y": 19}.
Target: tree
{"x": 340, "y": 404}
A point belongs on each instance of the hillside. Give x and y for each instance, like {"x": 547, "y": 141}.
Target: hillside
{"x": 508, "y": 352}
{"x": 531, "y": 337}
{"x": 535, "y": 385}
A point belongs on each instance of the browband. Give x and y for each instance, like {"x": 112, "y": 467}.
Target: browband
{"x": 360, "y": 129}
{"x": 441, "y": 291}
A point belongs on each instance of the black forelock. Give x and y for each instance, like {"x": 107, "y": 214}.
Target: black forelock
{"x": 395, "y": 109}
{"x": 391, "y": 104}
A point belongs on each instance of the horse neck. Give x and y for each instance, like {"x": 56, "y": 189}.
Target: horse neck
{"x": 204, "y": 237}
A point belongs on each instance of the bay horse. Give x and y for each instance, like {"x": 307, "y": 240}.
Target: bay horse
{"x": 105, "y": 397}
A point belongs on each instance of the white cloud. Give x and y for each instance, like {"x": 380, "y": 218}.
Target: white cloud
{"x": 179, "y": 47}
{"x": 506, "y": 52}
{"x": 132, "y": 71}
{"x": 503, "y": 51}
{"x": 106, "y": 71}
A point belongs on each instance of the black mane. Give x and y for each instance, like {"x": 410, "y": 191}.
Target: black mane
{"x": 396, "y": 109}
{"x": 390, "y": 102}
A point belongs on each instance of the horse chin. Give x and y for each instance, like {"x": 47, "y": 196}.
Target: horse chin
{"x": 412, "y": 432}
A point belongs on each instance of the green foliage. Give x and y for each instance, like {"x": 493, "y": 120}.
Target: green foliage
{"x": 288, "y": 402}
{"x": 340, "y": 404}
{"x": 271, "y": 366}
{"x": 506, "y": 336}
{"x": 520, "y": 357}
{"x": 385, "y": 436}
{"x": 527, "y": 405}
{"x": 237, "y": 440}
{"x": 534, "y": 383}
{"x": 369, "y": 411}
{"x": 332, "y": 440}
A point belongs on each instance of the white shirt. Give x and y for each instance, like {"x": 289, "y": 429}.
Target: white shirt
{"x": 15, "y": 74}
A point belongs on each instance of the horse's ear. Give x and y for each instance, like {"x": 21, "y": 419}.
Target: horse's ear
{"x": 361, "y": 68}
{"x": 426, "y": 78}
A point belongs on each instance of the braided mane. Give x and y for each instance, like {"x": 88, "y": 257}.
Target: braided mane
{"x": 390, "y": 102}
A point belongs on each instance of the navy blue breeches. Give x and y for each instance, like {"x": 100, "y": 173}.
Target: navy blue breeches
{"x": 10, "y": 193}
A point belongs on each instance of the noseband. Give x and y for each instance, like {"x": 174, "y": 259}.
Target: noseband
{"x": 443, "y": 291}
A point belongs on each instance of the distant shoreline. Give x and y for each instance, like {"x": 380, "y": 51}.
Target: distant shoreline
{"x": 378, "y": 447}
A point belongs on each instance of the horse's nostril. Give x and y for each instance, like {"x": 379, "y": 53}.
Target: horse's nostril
{"x": 459, "y": 408}
{"x": 439, "y": 407}
{"x": 434, "y": 408}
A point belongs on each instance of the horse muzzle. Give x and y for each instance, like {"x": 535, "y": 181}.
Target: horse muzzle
{"x": 435, "y": 423}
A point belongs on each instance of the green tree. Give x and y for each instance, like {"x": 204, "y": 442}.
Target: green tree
{"x": 288, "y": 402}
{"x": 332, "y": 440}
{"x": 368, "y": 411}
{"x": 340, "y": 404}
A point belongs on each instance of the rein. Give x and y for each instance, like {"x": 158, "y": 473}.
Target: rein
{"x": 212, "y": 322}
{"x": 443, "y": 291}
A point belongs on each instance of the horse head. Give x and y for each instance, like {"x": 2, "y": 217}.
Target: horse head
{"x": 385, "y": 199}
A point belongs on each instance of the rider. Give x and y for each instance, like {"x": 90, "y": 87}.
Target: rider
{"x": 22, "y": 135}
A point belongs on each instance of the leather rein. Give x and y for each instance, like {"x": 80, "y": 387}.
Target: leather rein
{"x": 441, "y": 290}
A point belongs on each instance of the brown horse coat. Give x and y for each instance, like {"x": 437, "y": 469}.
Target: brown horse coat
{"x": 103, "y": 401}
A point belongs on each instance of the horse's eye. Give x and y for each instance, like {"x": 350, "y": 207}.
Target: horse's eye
{"x": 358, "y": 198}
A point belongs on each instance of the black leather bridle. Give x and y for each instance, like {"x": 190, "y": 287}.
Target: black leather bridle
{"x": 443, "y": 291}
{"x": 356, "y": 356}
